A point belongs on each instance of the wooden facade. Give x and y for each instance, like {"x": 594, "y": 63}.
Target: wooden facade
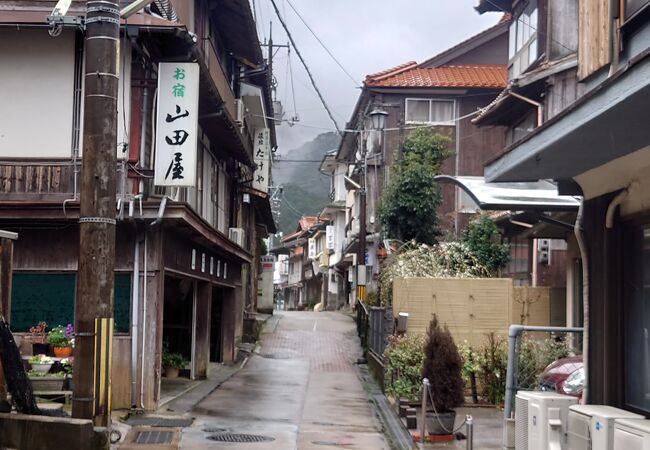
{"x": 594, "y": 42}
{"x": 172, "y": 254}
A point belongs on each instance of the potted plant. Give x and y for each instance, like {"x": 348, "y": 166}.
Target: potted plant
{"x": 38, "y": 335}
{"x": 443, "y": 367}
{"x": 172, "y": 362}
{"x": 61, "y": 339}
{"x": 41, "y": 363}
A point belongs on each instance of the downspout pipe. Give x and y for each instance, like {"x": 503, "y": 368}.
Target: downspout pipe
{"x": 584, "y": 257}
{"x": 134, "y": 322}
{"x": 611, "y": 209}
{"x": 513, "y": 333}
{"x": 614, "y": 44}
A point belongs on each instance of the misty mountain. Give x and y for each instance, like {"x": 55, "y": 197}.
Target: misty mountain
{"x": 305, "y": 189}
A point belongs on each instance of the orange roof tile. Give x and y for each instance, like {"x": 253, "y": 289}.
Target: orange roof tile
{"x": 412, "y": 76}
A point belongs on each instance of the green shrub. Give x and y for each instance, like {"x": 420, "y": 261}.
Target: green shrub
{"x": 174, "y": 360}
{"x": 493, "y": 362}
{"x": 403, "y": 358}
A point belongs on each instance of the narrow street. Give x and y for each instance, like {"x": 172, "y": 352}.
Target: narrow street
{"x": 301, "y": 390}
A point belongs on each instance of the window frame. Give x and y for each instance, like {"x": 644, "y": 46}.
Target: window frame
{"x": 451, "y": 123}
{"x": 525, "y": 45}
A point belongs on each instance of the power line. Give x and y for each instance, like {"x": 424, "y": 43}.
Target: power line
{"x": 356, "y": 83}
{"x": 311, "y": 78}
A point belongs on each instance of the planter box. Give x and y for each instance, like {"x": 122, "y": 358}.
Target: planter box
{"x": 42, "y": 384}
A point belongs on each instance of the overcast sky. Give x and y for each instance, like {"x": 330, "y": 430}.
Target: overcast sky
{"x": 366, "y": 36}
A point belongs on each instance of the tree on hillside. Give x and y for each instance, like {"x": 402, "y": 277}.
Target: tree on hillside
{"x": 408, "y": 209}
{"x": 483, "y": 239}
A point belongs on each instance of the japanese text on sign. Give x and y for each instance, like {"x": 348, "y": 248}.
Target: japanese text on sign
{"x": 262, "y": 159}
{"x": 177, "y": 124}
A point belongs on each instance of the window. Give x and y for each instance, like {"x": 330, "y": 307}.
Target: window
{"x": 440, "y": 112}
{"x": 634, "y": 6}
{"x": 522, "y": 49}
{"x": 637, "y": 318}
{"x": 525, "y": 126}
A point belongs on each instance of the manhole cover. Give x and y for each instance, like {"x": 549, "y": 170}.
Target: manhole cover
{"x": 215, "y": 430}
{"x": 159, "y": 422}
{"x": 154, "y": 437}
{"x": 234, "y": 437}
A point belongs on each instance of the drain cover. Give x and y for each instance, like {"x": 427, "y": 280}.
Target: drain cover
{"x": 159, "y": 422}
{"x": 154, "y": 437}
{"x": 215, "y": 430}
{"x": 234, "y": 437}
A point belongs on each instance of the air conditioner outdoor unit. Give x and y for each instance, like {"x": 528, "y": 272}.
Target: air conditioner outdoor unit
{"x": 591, "y": 427}
{"x": 236, "y": 235}
{"x": 239, "y": 108}
{"x": 632, "y": 434}
{"x": 540, "y": 420}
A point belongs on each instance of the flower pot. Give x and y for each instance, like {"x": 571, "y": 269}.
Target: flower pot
{"x": 48, "y": 383}
{"x": 40, "y": 349}
{"x": 171, "y": 372}
{"x": 41, "y": 368}
{"x": 443, "y": 424}
{"x": 63, "y": 352}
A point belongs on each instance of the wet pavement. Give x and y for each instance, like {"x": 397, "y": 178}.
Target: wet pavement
{"x": 301, "y": 391}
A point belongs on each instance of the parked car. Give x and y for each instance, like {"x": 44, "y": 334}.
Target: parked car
{"x": 566, "y": 376}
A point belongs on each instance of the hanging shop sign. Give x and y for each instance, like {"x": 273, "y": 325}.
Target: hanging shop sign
{"x": 262, "y": 159}
{"x": 177, "y": 124}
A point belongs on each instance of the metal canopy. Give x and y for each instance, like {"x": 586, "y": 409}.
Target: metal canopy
{"x": 520, "y": 196}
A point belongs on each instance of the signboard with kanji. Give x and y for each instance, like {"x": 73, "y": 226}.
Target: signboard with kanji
{"x": 177, "y": 124}
{"x": 262, "y": 158}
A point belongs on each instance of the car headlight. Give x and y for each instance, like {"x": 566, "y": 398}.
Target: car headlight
{"x": 575, "y": 382}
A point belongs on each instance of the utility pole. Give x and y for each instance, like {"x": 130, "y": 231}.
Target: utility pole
{"x": 361, "y": 251}
{"x": 95, "y": 279}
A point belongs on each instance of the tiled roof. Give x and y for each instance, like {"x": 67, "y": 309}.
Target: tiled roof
{"x": 470, "y": 76}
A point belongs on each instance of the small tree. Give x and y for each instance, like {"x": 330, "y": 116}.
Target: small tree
{"x": 483, "y": 239}
{"x": 410, "y": 202}
{"x": 443, "y": 367}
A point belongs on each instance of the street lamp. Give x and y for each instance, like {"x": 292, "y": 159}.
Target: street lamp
{"x": 378, "y": 119}
{"x": 378, "y": 123}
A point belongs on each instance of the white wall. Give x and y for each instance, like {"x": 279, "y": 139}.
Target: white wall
{"x": 36, "y": 92}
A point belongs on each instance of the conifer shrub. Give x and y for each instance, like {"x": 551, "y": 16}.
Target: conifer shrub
{"x": 443, "y": 367}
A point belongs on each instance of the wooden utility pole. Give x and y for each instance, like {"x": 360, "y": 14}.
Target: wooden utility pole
{"x": 95, "y": 279}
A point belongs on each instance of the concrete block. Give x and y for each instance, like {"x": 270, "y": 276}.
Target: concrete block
{"x": 50, "y": 433}
{"x": 411, "y": 422}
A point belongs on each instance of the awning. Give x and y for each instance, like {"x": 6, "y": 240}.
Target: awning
{"x": 529, "y": 196}
{"x": 263, "y": 213}
{"x": 605, "y": 124}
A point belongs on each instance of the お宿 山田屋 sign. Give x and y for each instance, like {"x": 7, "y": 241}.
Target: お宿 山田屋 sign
{"x": 177, "y": 124}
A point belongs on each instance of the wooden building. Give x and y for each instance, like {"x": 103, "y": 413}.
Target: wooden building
{"x": 186, "y": 258}
{"x": 595, "y": 145}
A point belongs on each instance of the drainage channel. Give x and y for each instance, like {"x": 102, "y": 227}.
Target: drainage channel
{"x": 239, "y": 438}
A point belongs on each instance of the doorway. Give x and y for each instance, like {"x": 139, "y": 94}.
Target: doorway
{"x": 177, "y": 316}
{"x": 216, "y": 329}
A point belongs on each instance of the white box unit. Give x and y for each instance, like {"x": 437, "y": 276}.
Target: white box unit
{"x": 236, "y": 235}
{"x": 591, "y": 427}
{"x": 632, "y": 434}
{"x": 541, "y": 420}
{"x": 240, "y": 109}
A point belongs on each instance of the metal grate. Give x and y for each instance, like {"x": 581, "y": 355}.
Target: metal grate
{"x": 159, "y": 422}
{"x": 234, "y": 437}
{"x": 154, "y": 437}
{"x": 215, "y": 430}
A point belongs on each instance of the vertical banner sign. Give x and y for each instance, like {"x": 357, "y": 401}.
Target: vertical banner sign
{"x": 330, "y": 237}
{"x": 177, "y": 124}
{"x": 311, "y": 248}
{"x": 262, "y": 158}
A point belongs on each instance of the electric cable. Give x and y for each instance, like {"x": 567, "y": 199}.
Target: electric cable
{"x": 311, "y": 77}
{"x": 356, "y": 83}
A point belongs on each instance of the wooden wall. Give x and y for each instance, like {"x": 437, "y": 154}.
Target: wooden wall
{"x": 471, "y": 308}
{"x": 593, "y": 38}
